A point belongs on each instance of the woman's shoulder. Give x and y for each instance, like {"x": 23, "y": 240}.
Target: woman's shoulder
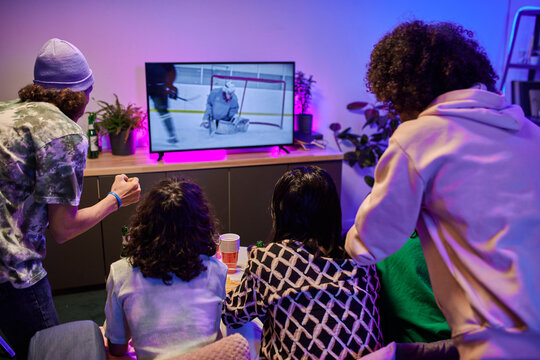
{"x": 291, "y": 258}
{"x": 282, "y": 249}
{"x": 278, "y": 256}
{"x": 214, "y": 265}
{"x": 214, "y": 277}
{"x": 121, "y": 271}
{"x": 338, "y": 262}
{"x": 121, "y": 265}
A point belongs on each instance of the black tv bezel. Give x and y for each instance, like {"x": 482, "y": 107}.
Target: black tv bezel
{"x": 161, "y": 152}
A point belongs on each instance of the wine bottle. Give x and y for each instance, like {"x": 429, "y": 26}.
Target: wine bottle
{"x": 93, "y": 148}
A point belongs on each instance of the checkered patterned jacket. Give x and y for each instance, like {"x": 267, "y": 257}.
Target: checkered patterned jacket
{"x": 311, "y": 307}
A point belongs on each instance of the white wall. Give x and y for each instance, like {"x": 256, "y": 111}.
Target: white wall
{"x": 331, "y": 39}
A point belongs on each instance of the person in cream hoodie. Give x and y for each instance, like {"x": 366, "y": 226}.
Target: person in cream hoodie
{"x": 463, "y": 169}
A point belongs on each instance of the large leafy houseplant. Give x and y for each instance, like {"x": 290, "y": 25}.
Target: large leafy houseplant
{"x": 302, "y": 93}
{"x": 118, "y": 121}
{"x": 368, "y": 147}
{"x": 113, "y": 118}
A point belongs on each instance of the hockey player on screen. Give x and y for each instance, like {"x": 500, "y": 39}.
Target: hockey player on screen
{"x": 159, "y": 79}
{"x": 221, "y": 106}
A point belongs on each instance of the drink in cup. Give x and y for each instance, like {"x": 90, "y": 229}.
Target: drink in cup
{"x": 229, "y": 247}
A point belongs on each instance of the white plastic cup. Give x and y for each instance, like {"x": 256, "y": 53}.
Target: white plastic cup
{"x": 229, "y": 247}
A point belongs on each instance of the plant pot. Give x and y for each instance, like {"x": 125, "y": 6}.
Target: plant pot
{"x": 119, "y": 147}
{"x": 304, "y": 123}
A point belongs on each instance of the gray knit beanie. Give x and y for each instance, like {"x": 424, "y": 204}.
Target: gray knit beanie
{"x": 61, "y": 65}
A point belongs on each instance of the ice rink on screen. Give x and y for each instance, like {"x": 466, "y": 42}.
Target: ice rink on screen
{"x": 191, "y": 135}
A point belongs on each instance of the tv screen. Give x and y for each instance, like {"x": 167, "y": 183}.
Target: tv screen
{"x": 197, "y": 106}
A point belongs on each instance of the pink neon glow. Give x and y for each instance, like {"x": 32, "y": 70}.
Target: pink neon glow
{"x": 275, "y": 152}
{"x": 193, "y": 156}
{"x": 211, "y": 155}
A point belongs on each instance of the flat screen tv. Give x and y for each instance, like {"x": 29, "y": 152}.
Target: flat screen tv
{"x": 198, "y": 106}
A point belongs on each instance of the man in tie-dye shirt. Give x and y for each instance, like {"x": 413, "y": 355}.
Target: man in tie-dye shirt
{"x": 42, "y": 159}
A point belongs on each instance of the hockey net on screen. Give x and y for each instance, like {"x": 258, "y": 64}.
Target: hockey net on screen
{"x": 266, "y": 118}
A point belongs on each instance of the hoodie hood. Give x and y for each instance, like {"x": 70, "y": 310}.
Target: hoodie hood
{"x": 477, "y": 105}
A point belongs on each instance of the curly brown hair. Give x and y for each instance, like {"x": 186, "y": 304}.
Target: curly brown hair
{"x": 417, "y": 62}
{"x": 171, "y": 228}
{"x": 71, "y": 103}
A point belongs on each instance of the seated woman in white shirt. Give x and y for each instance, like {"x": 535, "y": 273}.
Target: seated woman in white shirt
{"x": 166, "y": 295}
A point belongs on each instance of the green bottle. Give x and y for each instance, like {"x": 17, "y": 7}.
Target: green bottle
{"x": 125, "y": 238}
{"x": 93, "y": 148}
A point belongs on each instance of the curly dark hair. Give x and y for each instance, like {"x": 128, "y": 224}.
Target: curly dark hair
{"x": 417, "y": 62}
{"x": 172, "y": 226}
{"x": 306, "y": 207}
{"x": 71, "y": 103}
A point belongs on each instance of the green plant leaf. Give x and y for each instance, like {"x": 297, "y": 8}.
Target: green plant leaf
{"x": 357, "y": 105}
{"x": 335, "y": 126}
{"x": 350, "y": 157}
{"x": 356, "y": 141}
{"x": 345, "y": 135}
{"x": 364, "y": 139}
{"x": 369, "y": 180}
{"x": 382, "y": 121}
{"x": 379, "y": 151}
{"x": 394, "y": 124}
{"x": 369, "y": 147}
{"x": 371, "y": 115}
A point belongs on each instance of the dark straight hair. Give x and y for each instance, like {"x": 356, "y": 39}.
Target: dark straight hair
{"x": 306, "y": 208}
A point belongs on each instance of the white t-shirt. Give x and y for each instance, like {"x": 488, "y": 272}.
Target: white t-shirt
{"x": 163, "y": 320}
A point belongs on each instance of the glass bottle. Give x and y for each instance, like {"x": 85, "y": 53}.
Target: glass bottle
{"x": 125, "y": 239}
{"x": 93, "y": 148}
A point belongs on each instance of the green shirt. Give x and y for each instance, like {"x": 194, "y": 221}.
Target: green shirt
{"x": 407, "y": 306}
{"x": 42, "y": 159}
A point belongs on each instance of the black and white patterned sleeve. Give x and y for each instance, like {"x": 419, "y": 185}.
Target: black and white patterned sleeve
{"x": 245, "y": 302}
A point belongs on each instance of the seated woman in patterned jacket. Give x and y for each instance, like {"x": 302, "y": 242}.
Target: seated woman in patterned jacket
{"x": 313, "y": 300}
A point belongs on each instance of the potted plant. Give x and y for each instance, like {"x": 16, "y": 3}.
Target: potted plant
{"x": 302, "y": 90}
{"x": 119, "y": 121}
{"x": 368, "y": 148}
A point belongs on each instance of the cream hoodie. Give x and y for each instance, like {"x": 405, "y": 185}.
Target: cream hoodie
{"x": 466, "y": 175}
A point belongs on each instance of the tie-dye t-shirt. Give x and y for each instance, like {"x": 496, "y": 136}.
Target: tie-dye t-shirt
{"x": 42, "y": 159}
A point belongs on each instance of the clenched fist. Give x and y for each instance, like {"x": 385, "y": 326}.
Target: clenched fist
{"x": 128, "y": 189}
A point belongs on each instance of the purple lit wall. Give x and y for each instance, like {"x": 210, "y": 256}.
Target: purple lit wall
{"x": 331, "y": 40}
